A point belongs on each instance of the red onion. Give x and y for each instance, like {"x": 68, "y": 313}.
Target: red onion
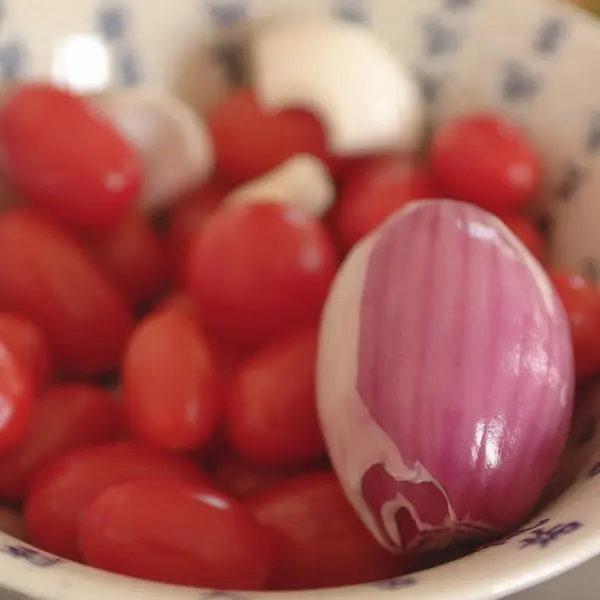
{"x": 445, "y": 378}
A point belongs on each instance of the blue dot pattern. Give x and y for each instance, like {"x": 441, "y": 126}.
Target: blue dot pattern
{"x": 226, "y": 13}
{"x": 352, "y": 11}
{"x": 13, "y": 59}
{"x": 114, "y": 22}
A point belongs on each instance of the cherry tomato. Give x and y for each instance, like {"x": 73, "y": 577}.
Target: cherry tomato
{"x": 67, "y": 158}
{"x": 180, "y": 302}
{"x": 485, "y": 160}
{"x": 66, "y": 484}
{"x": 227, "y": 356}
{"x": 65, "y": 417}
{"x": 17, "y": 393}
{"x": 171, "y": 383}
{"x": 177, "y": 533}
{"x": 47, "y": 277}
{"x": 213, "y": 451}
{"x": 188, "y": 216}
{"x": 259, "y": 271}
{"x": 581, "y": 299}
{"x": 271, "y": 417}
{"x": 11, "y": 523}
{"x": 250, "y": 141}
{"x": 29, "y": 345}
{"x": 320, "y": 542}
{"x": 524, "y": 228}
{"x": 132, "y": 255}
{"x": 240, "y": 479}
{"x": 375, "y": 191}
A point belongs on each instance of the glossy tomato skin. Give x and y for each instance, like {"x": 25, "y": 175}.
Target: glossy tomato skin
{"x": 531, "y": 237}
{"x": 581, "y": 299}
{"x": 171, "y": 383}
{"x": 227, "y": 356}
{"x": 63, "y": 155}
{"x": 179, "y": 301}
{"x": 134, "y": 257}
{"x": 47, "y": 277}
{"x": 526, "y": 230}
{"x": 29, "y": 345}
{"x": 250, "y": 141}
{"x": 485, "y": 160}
{"x": 17, "y": 394}
{"x": 376, "y": 190}
{"x": 271, "y": 418}
{"x": 240, "y": 479}
{"x": 260, "y": 271}
{"x": 188, "y": 217}
{"x": 11, "y": 522}
{"x": 66, "y": 484}
{"x": 66, "y": 416}
{"x": 320, "y": 542}
{"x": 177, "y": 533}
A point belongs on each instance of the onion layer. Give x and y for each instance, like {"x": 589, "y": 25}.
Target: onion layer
{"x": 445, "y": 377}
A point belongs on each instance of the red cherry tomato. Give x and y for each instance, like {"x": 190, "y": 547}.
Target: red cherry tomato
{"x": 213, "y": 451}
{"x": 259, "y": 271}
{"x": 171, "y": 383}
{"x": 581, "y": 299}
{"x": 11, "y": 523}
{"x": 250, "y": 141}
{"x": 179, "y": 302}
{"x": 67, "y": 158}
{"x": 133, "y": 256}
{"x": 271, "y": 417}
{"x": 188, "y": 216}
{"x": 375, "y": 191}
{"x": 66, "y": 484}
{"x": 320, "y": 542}
{"x": 65, "y": 417}
{"x": 177, "y": 533}
{"x": 531, "y": 237}
{"x": 17, "y": 393}
{"x": 485, "y": 160}
{"x": 48, "y": 278}
{"x": 226, "y": 355}
{"x": 240, "y": 479}
{"x": 28, "y": 344}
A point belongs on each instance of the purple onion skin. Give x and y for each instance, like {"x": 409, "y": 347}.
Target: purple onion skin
{"x": 445, "y": 377}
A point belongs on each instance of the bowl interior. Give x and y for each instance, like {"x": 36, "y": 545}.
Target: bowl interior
{"x": 533, "y": 60}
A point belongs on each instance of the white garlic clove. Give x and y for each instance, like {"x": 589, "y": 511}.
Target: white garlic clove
{"x": 303, "y": 181}
{"x": 173, "y": 140}
{"x": 367, "y": 101}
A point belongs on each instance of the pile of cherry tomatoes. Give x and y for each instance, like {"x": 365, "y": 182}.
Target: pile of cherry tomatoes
{"x": 201, "y": 461}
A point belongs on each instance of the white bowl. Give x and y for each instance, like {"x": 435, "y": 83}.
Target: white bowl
{"x": 535, "y": 60}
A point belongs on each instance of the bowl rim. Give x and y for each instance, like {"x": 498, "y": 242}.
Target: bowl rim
{"x": 490, "y": 573}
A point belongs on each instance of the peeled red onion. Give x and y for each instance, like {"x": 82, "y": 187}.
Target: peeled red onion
{"x": 445, "y": 377}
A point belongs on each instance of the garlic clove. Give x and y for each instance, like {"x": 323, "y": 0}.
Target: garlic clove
{"x": 172, "y": 139}
{"x": 367, "y": 100}
{"x": 303, "y": 181}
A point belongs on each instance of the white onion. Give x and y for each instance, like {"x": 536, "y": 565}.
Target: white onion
{"x": 445, "y": 377}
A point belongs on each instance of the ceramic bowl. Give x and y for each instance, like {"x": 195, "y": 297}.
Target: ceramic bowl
{"x": 534, "y": 60}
